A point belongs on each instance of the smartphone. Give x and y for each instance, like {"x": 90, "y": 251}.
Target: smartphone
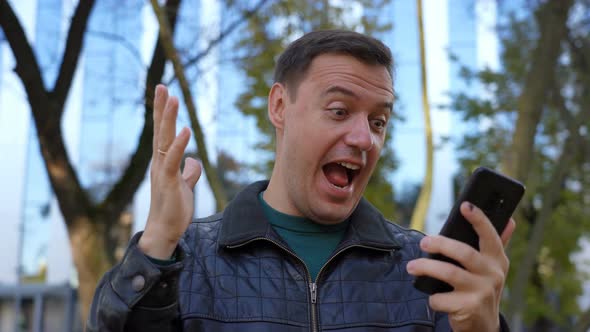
{"x": 496, "y": 195}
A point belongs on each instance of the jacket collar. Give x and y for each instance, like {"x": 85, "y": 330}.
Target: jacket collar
{"x": 244, "y": 220}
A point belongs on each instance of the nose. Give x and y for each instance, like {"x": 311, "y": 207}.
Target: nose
{"x": 360, "y": 135}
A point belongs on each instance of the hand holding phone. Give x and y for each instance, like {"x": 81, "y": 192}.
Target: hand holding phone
{"x": 496, "y": 195}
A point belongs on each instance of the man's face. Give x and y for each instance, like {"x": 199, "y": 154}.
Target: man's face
{"x": 331, "y": 136}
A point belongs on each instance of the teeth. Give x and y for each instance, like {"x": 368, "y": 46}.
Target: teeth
{"x": 349, "y": 166}
{"x": 333, "y": 185}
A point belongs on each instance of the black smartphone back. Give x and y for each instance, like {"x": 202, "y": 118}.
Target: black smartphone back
{"x": 497, "y": 195}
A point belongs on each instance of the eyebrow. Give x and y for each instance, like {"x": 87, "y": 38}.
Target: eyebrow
{"x": 335, "y": 89}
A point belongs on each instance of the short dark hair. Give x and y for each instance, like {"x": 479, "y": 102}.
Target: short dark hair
{"x": 292, "y": 65}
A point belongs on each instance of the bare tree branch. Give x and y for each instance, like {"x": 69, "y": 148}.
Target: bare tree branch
{"x": 222, "y": 35}
{"x": 124, "y": 190}
{"x": 210, "y": 172}
{"x": 47, "y": 111}
{"x": 233, "y": 26}
{"x": 72, "y": 52}
{"x": 123, "y": 42}
{"x": 27, "y": 67}
{"x": 552, "y": 192}
{"x": 552, "y": 23}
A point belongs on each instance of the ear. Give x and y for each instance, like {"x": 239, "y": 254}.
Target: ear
{"x": 277, "y": 100}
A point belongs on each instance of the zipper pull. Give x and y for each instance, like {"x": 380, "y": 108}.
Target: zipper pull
{"x": 314, "y": 293}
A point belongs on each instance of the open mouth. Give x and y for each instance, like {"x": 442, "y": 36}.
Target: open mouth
{"x": 340, "y": 174}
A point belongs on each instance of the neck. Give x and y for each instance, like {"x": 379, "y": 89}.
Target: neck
{"x": 276, "y": 196}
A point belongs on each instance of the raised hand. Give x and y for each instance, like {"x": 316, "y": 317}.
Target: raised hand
{"x": 474, "y": 303}
{"x": 172, "y": 198}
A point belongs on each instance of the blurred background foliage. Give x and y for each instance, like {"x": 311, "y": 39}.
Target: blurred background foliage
{"x": 555, "y": 213}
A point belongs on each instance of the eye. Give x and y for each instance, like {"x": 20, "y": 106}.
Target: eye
{"x": 378, "y": 124}
{"x": 338, "y": 112}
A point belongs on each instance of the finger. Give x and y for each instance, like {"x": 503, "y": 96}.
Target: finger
{"x": 489, "y": 240}
{"x": 461, "y": 252}
{"x": 454, "y": 275}
{"x": 448, "y": 302}
{"x": 192, "y": 171}
{"x": 175, "y": 152}
{"x": 167, "y": 130}
{"x": 508, "y": 231}
{"x": 160, "y": 98}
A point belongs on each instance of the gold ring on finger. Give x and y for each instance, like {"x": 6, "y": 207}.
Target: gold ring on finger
{"x": 162, "y": 152}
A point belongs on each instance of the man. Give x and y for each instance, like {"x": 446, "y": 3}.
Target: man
{"x": 302, "y": 251}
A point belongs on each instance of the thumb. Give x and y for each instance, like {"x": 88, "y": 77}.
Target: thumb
{"x": 192, "y": 171}
{"x": 508, "y": 231}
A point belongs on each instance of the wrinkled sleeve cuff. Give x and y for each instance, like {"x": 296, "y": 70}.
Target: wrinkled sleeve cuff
{"x": 138, "y": 281}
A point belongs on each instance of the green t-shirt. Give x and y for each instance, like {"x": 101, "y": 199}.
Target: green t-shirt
{"x": 312, "y": 242}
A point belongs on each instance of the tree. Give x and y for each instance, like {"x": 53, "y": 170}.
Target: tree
{"x": 172, "y": 55}
{"x": 211, "y": 172}
{"x": 264, "y": 39}
{"x": 538, "y": 118}
{"x": 232, "y": 174}
{"x": 90, "y": 221}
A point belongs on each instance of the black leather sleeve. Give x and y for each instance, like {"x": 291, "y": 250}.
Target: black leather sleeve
{"x": 137, "y": 295}
{"x": 503, "y": 324}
